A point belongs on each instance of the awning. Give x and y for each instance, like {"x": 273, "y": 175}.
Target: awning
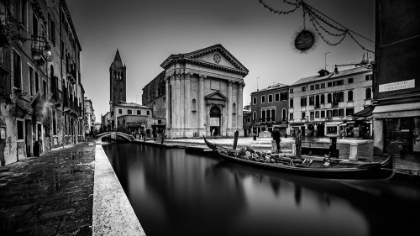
{"x": 281, "y": 126}
{"x": 365, "y": 112}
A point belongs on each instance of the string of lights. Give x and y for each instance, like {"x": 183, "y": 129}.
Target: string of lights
{"x": 316, "y": 17}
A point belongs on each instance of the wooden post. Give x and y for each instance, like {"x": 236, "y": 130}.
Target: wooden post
{"x": 235, "y": 140}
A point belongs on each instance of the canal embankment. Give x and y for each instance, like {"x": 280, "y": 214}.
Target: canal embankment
{"x": 112, "y": 211}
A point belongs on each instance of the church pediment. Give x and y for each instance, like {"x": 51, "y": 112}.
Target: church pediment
{"x": 216, "y": 96}
{"x": 214, "y": 56}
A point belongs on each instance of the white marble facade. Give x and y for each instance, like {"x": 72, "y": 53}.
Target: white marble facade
{"x": 204, "y": 93}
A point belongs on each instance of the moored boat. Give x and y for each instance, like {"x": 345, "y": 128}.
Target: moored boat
{"x": 327, "y": 168}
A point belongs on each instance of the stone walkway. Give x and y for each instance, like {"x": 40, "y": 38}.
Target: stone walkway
{"x": 49, "y": 195}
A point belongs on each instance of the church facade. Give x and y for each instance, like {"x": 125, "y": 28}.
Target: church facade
{"x": 199, "y": 93}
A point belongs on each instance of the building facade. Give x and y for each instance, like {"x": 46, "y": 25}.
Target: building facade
{"x": 203, "y": 93}
{"x": 247, "y": 120}
{"x": 89, "y": 116}
{"x": 40, "y": 84}
{"x": 397, "y": 86}
{"x": 269, "y": 107}
{"x": 106, "y": 122}
{"x": 323, "y": 105}
{"x": 129, "y": 108}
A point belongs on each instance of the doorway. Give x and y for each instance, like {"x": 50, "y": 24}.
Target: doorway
{"x": 28, "y": 137}
{"x": 215, "y": 115}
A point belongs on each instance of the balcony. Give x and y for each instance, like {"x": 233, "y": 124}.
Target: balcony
{"x": 57, "y": 97}
{"x": 71, "y": 73}
{"x": 39, "y": 49}
{"x": 71, "y": 107}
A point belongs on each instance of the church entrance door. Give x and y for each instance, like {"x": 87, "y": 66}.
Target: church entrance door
{"x": 215, "y": 115}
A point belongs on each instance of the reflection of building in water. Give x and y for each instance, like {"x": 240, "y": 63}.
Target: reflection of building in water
{"x": 192, "y": 186}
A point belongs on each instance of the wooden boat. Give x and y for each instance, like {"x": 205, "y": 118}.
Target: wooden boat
{"x": 335, "y": 169}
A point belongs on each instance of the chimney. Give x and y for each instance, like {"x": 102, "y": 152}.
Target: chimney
{"x": 336, "y": 70}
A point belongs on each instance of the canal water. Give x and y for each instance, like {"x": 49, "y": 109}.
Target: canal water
{"x": 175, "y": 193}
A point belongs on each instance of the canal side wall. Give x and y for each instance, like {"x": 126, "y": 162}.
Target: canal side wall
{"x": 112, "y": 212}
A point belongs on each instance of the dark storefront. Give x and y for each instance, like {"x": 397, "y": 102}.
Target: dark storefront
{"x": 406, "y": 131}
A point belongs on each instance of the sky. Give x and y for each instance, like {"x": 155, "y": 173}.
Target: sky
{"x": 146, "y": 32}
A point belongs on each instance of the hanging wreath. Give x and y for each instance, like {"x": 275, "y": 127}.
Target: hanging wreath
{"x": 304, "y": 40}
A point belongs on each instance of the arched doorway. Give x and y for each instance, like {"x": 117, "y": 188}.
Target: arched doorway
{"x": 215, "y": 117}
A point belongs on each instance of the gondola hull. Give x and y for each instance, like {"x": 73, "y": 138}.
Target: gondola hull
{"x": 365, "y": 171}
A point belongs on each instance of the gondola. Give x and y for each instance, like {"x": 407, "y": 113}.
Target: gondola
{"x": 317, "y": 169}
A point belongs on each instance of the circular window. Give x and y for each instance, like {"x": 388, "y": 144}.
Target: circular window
{"x": 216, "y": 58}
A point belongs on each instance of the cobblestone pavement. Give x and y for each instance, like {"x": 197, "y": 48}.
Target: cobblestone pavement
{"x": 49, "y": 195}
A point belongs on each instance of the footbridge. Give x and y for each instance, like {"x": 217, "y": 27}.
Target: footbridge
{"x": 114, "y": 135}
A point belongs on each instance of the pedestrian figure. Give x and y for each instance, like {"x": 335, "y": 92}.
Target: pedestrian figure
{"x": 163, "y": 137}
{"x": 298, "y": 144}
{"x": 276, "y": 136}
{"x": 154, "y": 135}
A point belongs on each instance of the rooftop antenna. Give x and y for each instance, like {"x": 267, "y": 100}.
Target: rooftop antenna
{"x": 325, "y": 68}
{"x": 136, "y": 98}
{"x": 257, "y": 82}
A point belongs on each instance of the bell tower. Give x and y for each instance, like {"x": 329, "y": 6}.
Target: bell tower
{"x": 117, "y": 79}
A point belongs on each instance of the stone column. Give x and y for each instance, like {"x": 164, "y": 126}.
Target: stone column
{"x": 229, "y": 109}
{"x": 167, "y": 103}
{"x": 202, "y": 107}
{"x": 181, "y": 110}
{"x": 173, "y": 106}
{"x": 187, "y": 113}
{"x": 239, "y": 107}
{"x": 177, "y": 111}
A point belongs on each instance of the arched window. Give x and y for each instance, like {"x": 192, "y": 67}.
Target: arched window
{"x": 322, "y": 99}
{"x": 254, "y": 116}
{"x": 329, "y": 98}
{"x": 262, "y": 114}
{"x": 368, "y": 93}
{"x": 234, "y": 109}
{"x": 268, "y": 114}
{"x": 284, "y": 115}
{"x": 193, "y": 104}
{"x": 273, "y": 114}
{"x": 350, "y": 96}
{"x": 341, "y": 96}
{"x": 122, "y": 74}
{"x": 291, "y": 102}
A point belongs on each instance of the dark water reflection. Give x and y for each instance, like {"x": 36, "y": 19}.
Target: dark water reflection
{"x": 174, "y": 193}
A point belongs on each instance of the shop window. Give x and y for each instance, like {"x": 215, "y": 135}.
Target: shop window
{"x": 350, "y": 96}
{"x": 329, "y": 98}
{"x": 291, "y": 103}
{"x": 341, "y": 112}
{"x": 277, "y": 97}
{"x": 349, "y": 111}
{"x": 270, "y": 98}
{"x": 20, "y": 129}
{"x": 322, "y": 114}
{"x": 263, "y": 99}
{"x": 331, "y": 129}
{"x": 368, "y": 93}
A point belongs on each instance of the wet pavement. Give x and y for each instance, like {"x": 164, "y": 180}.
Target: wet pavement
{"x": 49, "y": 195}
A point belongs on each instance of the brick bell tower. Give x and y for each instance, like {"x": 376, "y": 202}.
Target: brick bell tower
{"x": 117, "y": 79}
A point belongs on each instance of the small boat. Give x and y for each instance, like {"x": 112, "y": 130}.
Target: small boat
{"x": 329, "y": 168}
